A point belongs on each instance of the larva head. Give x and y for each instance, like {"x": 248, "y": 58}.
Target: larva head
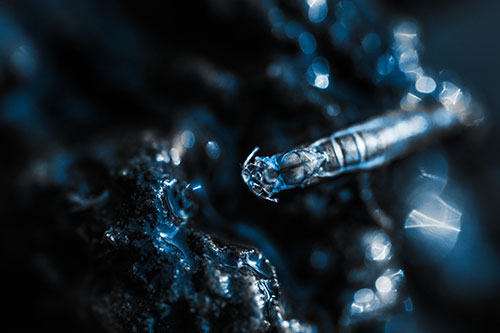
{"x": 261, "y": 176}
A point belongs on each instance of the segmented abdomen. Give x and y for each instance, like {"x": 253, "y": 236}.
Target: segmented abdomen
{"x": 381, "y": 139}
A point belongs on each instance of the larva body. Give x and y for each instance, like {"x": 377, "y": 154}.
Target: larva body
{"x": 364, "y": 146}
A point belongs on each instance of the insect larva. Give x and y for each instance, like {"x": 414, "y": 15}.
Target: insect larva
{"x": 364, "y": 146}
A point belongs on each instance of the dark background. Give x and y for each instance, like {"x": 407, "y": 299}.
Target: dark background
{"x": 104, "y": 69}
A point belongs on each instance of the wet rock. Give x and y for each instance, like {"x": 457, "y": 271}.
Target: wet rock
{"x": 151, "y": 268}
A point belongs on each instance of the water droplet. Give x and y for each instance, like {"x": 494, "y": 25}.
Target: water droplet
{"x": 319, "y": 259}
{"x": 406, "y": 33}
{"x": 379, "y": 247}
{"x": 178, "y": 199}
{"x": 383, "y": 284}
{"x": 339, "y": 33}
{"x": 409, "y": 102}
{"x": 212, "y": 149}
{"x": 187, "y": 139}
{"x": 318, "y": 10}
{"x": 385, "y": 64}
{"x": 333, "y": 110}
{"x": 408, "y": 61}
{"x": 364, "y": 295}
{"x": 175, "y": 156}
{"x": 163, "y": 157}
{"x": 321, "y": 81}
{"x": 425, "y": 85}
{"x": 293, "y": 29}
{"x": 307, "y": 42}
{"x": 371, "y": 43}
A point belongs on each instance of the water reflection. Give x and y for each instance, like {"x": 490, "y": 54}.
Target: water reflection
{"x": 307, "y": 42}
{"x": 366, "y": 300}
{"x": 387, "y": 285}
{"x": 371, "y": 43}
{"x": 212, "y": 149}
{"x": 453, "y": 97}
{"x": 410, "y": 101}
{"x": 425, "y": 84}
{"x": 319, "y": 259}
{"x": 378, "y": 246}
{"x": 383, "y": 284}
{"x": 317, "y": 10}
{"x": 318, "y": 73}
{"x": 435, "y": 224}
{"x": 385, "y": 64}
